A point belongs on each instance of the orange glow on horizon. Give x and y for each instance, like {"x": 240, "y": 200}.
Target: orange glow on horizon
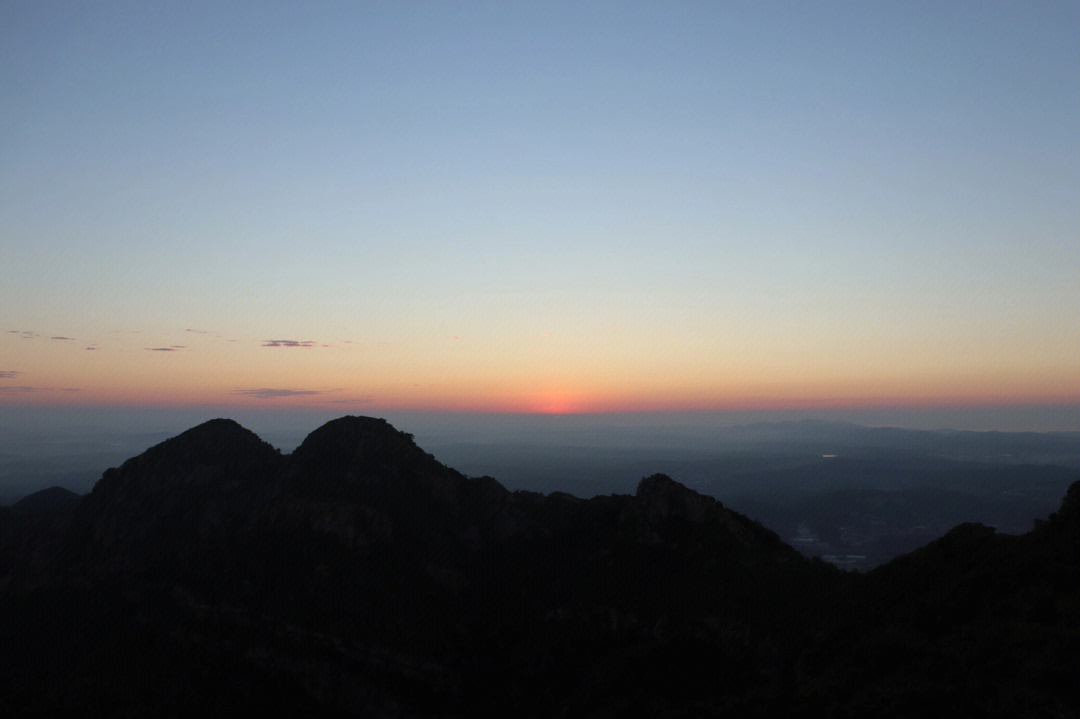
{"x": 557, "y": 402}
{"x": 553, "y": 402}
{"x": 413, "y": 379}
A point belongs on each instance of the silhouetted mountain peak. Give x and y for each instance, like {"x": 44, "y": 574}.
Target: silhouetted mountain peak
{"x": 47, "y": 500}
{"x": 217, "y": 441}
{"x": 214, "y": 453}
{"x": 968, "y": 531}
{"x": 663, "y": 497}
{"x": 358, "y": 444}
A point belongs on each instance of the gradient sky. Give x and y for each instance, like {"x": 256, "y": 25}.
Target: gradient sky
{"x": 545, "y": 207}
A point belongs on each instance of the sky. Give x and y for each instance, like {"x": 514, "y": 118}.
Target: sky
{"x": 541, "y": 207}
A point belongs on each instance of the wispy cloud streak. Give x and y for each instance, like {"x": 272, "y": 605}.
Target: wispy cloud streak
{"x": 18, "y": 389}
{"x": 270, "y": 393}
{"x": 288, "y": 343}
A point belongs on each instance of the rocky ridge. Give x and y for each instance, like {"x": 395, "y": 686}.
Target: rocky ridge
{"x": 358, "y": 575}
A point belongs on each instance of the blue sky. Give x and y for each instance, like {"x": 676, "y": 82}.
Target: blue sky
{"x": 541, "y": 207}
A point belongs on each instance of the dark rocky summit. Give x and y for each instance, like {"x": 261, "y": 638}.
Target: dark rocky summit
{"x": 359, "y": 576}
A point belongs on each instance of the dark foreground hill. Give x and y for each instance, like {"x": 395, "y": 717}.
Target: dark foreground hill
{"x": 359, "y": 576}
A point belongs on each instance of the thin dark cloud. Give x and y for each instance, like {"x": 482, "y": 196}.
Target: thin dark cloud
{"x": 179, "y": 347}
{"x": 66, "y": 339}
{"x": 91, "y": 348}
{"x": 270, "y": 393}
{"x": 288, "y": 343}
{"x": 26, "y": 334}
{"x": 9, "y": 373}
{"x": 199, "y": 332}
{"x": 27, "y": 388}
{"x": 161, "y": 349}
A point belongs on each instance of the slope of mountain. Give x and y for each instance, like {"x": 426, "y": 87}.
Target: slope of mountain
{"x": 358, "y": 575}
{"x": 975, "y": 623}
{"x": 860, "y": 508}
{"x": 52, "y": 499}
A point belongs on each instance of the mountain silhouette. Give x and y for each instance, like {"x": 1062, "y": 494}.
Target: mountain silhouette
{"x": 360, "y": 576}
{"x": 52, "y": 499}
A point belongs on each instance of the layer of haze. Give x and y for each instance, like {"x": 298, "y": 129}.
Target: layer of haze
{"x": 543, "y": 208}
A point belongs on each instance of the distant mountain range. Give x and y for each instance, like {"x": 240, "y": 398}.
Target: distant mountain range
{"x": 53, "y": 499}
{"x": 857, "y": 496}
{"x": 212, "y": 574}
